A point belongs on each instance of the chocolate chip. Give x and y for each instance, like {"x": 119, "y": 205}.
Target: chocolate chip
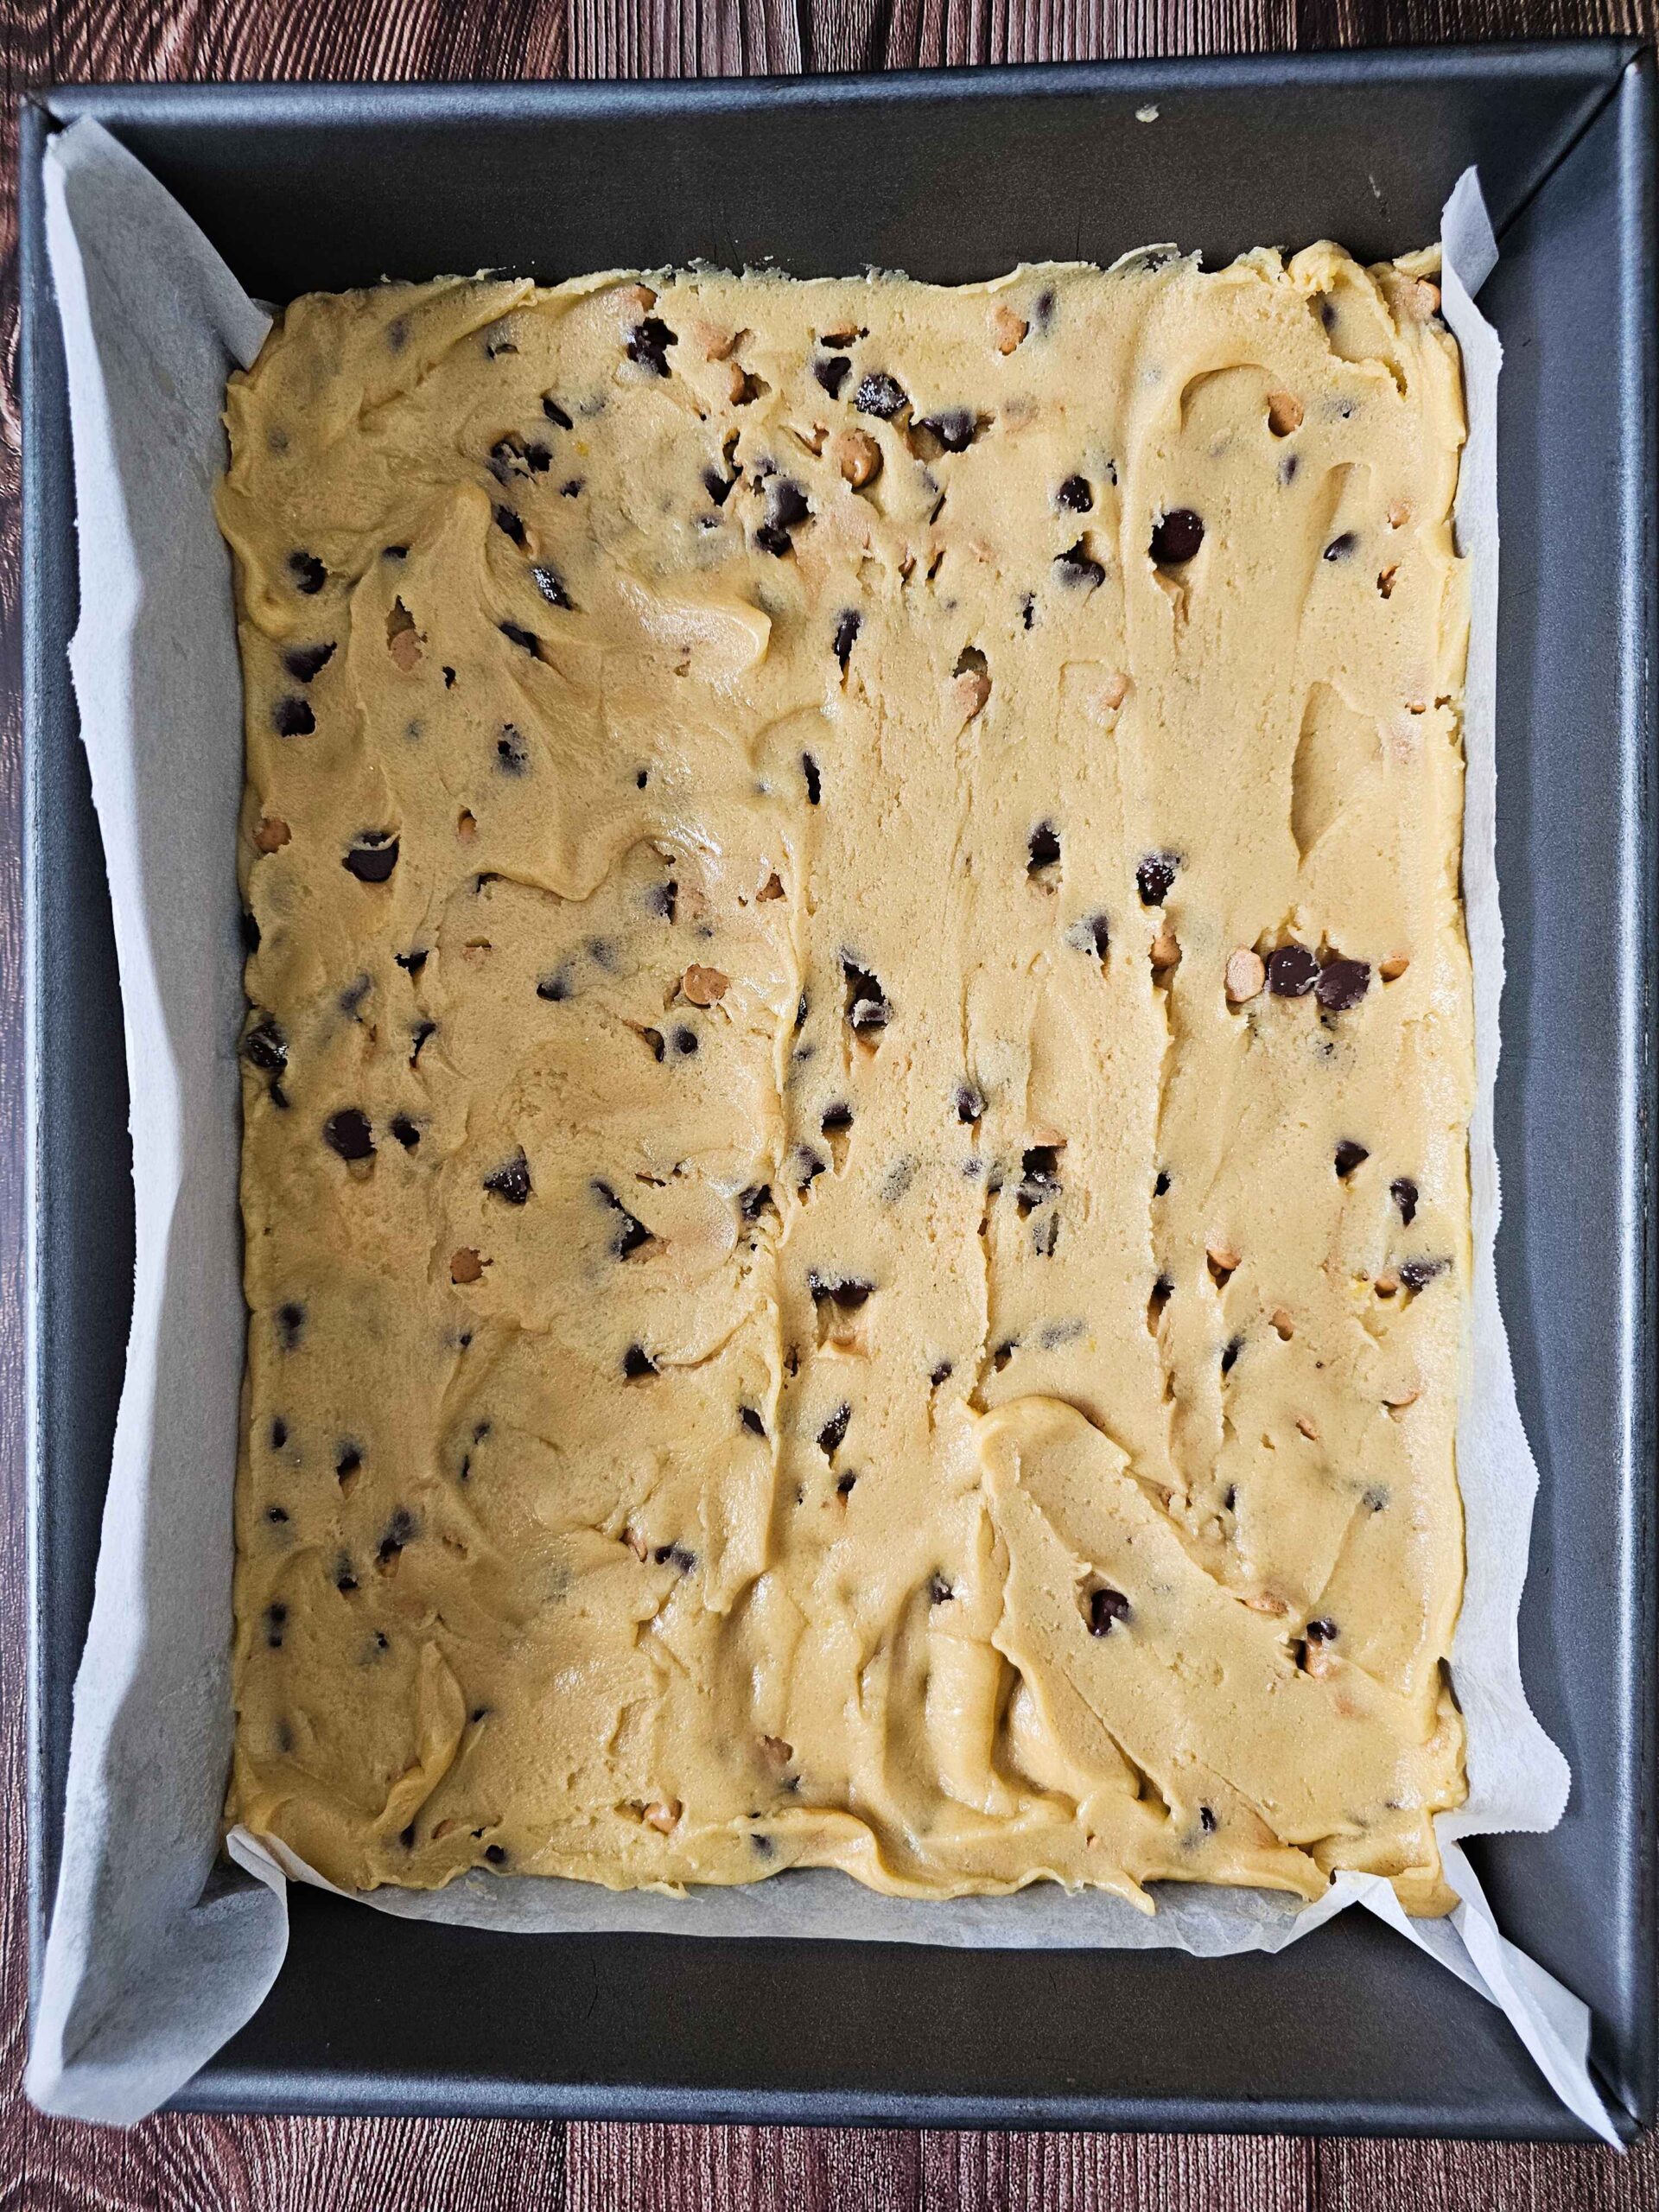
{"x": 753, "y": 1202}
{"x": 1004, "y": 1352}
{"x": 1342, "y": 984}
{"x": 648, "y": 344}
{"x": 345, "y": 1580}
{"x": 304, "y": 662}
{"x": 808, "y": 1166}
{"x": 752, "y": 1420}
{"x": 276, "y": 1621}
{"x": 685, "y": 1040}
{"x": 509, "y": 521}
{"x": 844, "y": 1485}
{"x": 417, "y": 1037}
{"x": 1229, "y": 1354}
{"x": 406, "y": 1132}
{"x": 772, "y": 539}
{"x": 867, "y": 1010}
{"x": 373, "y": 857}
{"x": 1349, "y": 1156}
{"x": 970, "y": 1102}
{"x": 309, "y": 574}
{"x": 347, "y": 1459}
{"x": 786, "y": 502}
{"x": 1176, "y": 537}
{"x": 847, "y": 1293}
{"x": 511, "y": 1180}
{"x": 291, "y": 1322}
{"x": 276, "y": 1513}
{"x": 1403, "y": 1192}
{"x": 517, "y": 636}
{"x": 1323, "y": 1630}
{"x": 1045, "y": 1236}
{"x": 511, "y": 752}
{"x": 955, "y": 428}
{"x": 636, "y": 1362}
{"x": 653, "y": 1037}
{"x": 1078, "y": 566}
{"x": 939, "y": 1592}
{"x": 1341, "y": 547}
{"x": 1154, "y": 876}
{"x": 1206, "y": 1820}
{"x": 814, "y": 784}
{"x": 1042, "y": 848}
{"x": 1106, "y": 1609}
{"x": 1074, "y": 496}
{"x": 394, "y": 552}
{"x": 631, "y": 1232}
{"x": 448, "y": 679}
{"x": 1042, "y": 309}
{"x": 1090, "y": 933}
{"x": 837, "y": 1118}
{"x": 1028, "y": 611}
{"x": 292, "y": 717}
{"x": 554, "y": 413}
{"x": 266, "y": 1046}
{"x": 1161, "y": 1183}
{"x": 833, "y": 1435}
{"x": 832, "y": 370}
{"x": 249, "y": 929}
{"x": 278, "y": 1433}
{"x": 1292, "y": 971}
{"x": 661, "y": 899}
{"x": 1417, "y": 1274}
{"x": 347, "y": 1132}
{"x": 413, "y": 962}
{"x": 879, "y": 395}
{"x": 1039, "y": 1174}
{"x": 401, "y": 1530}
{"x": 554, "y": 988}
{"x": 551, "y": 585}
{"x": 941, "y": 1374}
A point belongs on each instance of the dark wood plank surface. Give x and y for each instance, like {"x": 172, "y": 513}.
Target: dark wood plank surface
{"x": 223, "y": 2165}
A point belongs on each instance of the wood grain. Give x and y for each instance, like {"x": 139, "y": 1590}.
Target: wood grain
{"x": 180, "y": 2164}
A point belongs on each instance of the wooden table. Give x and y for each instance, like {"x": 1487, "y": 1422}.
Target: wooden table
{"x": 211, "y": 2165}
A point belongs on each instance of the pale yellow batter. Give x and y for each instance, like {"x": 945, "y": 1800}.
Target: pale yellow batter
{"x": 857, "y": 1082}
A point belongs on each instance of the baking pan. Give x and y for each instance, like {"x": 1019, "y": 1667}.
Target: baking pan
{"x": 952, "y": 176}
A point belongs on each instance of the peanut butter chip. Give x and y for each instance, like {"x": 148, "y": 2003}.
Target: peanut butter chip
{"x": 973, "y": 690}
{"x": 1114, "y": 691}
{"x": 1397, "y": 1401}
{"x": 1165, "y": 952}
{"x": 1391, "y": 969}
{"x": 1263, "y": 1601}
{"x": 1284, "y": 413}
{"x": 1309, "y": 1428}
{"x": 1425, "y": 297}
{"x": 704, "y": 986}
{"x": 1222, "y": 1256}
{"x": 465, "y": 1266}
{"x": 1007, "y": 329}
{"x": 466, "y": 826}
{"x": 1247, "y": 975}
{"x": 857, "y": 456}
{"x": 771, "y": 888}
{"x": 636, "y": 1543}
{"x": 1284, "y": 1326}
{"x": 402, "y": 639}
{"x": 663, "y": 1815}
{"x": 1399, "y": 513}
{"x": 272, "y": 834}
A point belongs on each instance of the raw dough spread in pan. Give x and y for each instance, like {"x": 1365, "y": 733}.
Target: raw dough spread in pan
{"x": 857, "y": 1079}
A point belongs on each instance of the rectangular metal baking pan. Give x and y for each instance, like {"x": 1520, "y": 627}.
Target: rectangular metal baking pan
{"x": 953, "y": 176}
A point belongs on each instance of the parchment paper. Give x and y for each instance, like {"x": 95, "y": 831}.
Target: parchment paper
{"x": 157, "y": 1954}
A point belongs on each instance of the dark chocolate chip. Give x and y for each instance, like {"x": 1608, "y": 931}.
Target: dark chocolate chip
{"x": 939, "y": 1592}
{"x": 496, "y": 1853}
{"x": 276, "y": 1621}
{"x": 511, "y": 1180}
{"x": 1229, "y": 1354}
{"x": 1039, "y": 1173}
{"x": 867, "y": 1010}
{"x": 1340, "y": 546}
{"x": 648, "y": 344}
{"x": 941, "y": 1374}
{"x": 554, "y": 988}
{"x": 1046, "y": 1234}
{"x": 448, "y": 679}
{"x": 1106, "y": 1609}
{"x": 832, "y": 370}
{"x": 1042, "y": 848}
{"x": 773, "y": 540}
{"x": 1074, "y": 496}
{"x": 276, "y": 1513}
{"x": 837, "y": 1118}
{"x": 846, "y": 1293}
{"x": 1091, "y": 933}
{"x": 1042, "y": 309}
{"x": 663, "y": 899}
{"x": 1349, "y": 1156}
{"x": 417, "y": 1037}
{"x": 848, "y": 624}
{"x": 1077, "y": 565}
{"x": 1028, "y": 611}
{"x": 753, "y": 1202}
{"x": 304, "y": 662}
{"x": 291, "y": 1323}
{"x": 955, "y": 428}
{"x": 1161, "y": 1183}
{"x": 1342, "y": 984}
{"x": 401, "y": 1530}
{"x": 345, "y": 1580}
{"x": 786, "y": 502}
{"x": 844, "y": 1485}
{"x": 292, "y": 717}
{"x": 970, "y": 1102}
{"x": 551, "y": 585}
{"x": 347, "y": 1459}
{"x": 512, "y": 525}
{"x": 752, "y": 1420}
{"x": 517, "y": 636}
{"x": 1154, "y": 877}
{"x": 631, "y": 1232}
{"x": 414, "y": 961}
{"x": 266, "y": 1046}
{"x": 808, "y": 1165}
{"x": 879, "y": 395}
{"x": 1403, "y": 1192}
{"x": 685, "y": 1040}
{"x": 1176, "y": 537}
{"x": 278, "y": 1433}
{"x": 554, "y": 413}
{"x": 1323, "y": 1630}
{"x": 347, "y": 1132}
{"x": 833, "y": 1435}
{"x": 249, "y": 928}
{"x": 511, "y": 752}
{"x": 814, "y": 783}
{"x": 309, "y": 574}
{"x": 373, "y": 857}
{"x": 1292, "y": 971}
{"x": 406, "y": 1132}
{"x": 1206, "y": 1820}
{"x": 1417, "y": 1274}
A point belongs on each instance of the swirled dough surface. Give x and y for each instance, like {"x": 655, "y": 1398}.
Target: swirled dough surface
{"x": 807, "y": 1307}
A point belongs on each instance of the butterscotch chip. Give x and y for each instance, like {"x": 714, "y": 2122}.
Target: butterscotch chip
{"x": 704, "y": 986}
{"x": 973, "y": 690}
{"x": 1284, "y": 1325}
{"x": 1309, "y": 1428}
{"x": 1166, "y": 951}
{"x": 1247, "y": 975}
{"x": 1263, "y": 1601}
{"x": 1393, "y": 968}
{"x": 663, "y": 1815}
{"x": 1222, "y": 1256}
{"x": 857, "y": 456}
{"x": 1399, "y": 513}
{"x": 1284, "y": 413}
{"x": 465, "y": 825}
{"x": 272, "y": 834}
{"x": 1007, "y": 329}
{"x": 465, "y": 1266}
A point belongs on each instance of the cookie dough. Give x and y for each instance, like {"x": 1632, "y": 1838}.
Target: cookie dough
{"x": 857, "y": 1079}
